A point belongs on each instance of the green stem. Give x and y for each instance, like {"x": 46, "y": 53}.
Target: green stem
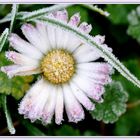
{"x": 7, "y": 114}
{"x": 13, "y": 16}
{"x": 96, "y": 9}
{"x": 44, "y": 11}
{"x": 105, "y": 53}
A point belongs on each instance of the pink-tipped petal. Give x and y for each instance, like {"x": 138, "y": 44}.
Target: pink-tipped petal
{"x": 75, "y": 19}
{"x": 13, "y": 70}
{"x": 99, "y": 39}
{"x": 92, "y": 90}
{"x": 21, "y": 59}
{"x": 85, "y": 27}
{"x": 61, "y": 15}
{"x": 32, "y": 104}
{"x": 74, "y": 110}
{"x": 81, "y": 97}
{"x": 96, "y": 67}
{"x": 59, "y": 106}
{"x": 24, "y": 47}
{"x": 97, "y": 78}
{"x": 49, "y": 107}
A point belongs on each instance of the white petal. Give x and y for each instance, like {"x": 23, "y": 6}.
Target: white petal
{"x": 49, "y": 108}
{"x": 60, "y": 38}
{"x": 24, "y": 47}
{"x": 21, "y": 59}
{"x": 13, "y": 70}
{"x": 51, "y": 31}
{"x": 85, "y": 27}
{"x": 75, "y": 19}
{"x": 59, "y": 106}
{"x": 74, "y": 110}
{"x": 86, "y": 54}
{"x": 81, "y": 97}
{"x": 92, "y": 90}
{"x": 32, "y": 104}
{"x": 45, "y": 44}
{"x": 71, "y": 42}
{"x": 36, "y": 36}
{"x": 96, "y": 67}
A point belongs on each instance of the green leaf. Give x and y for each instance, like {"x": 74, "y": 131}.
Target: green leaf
{"x": 67, "y": 130}
{"x": 3, "y": 101}
{"x": 3, "y": 38}
{"x": 16, "y": 86}
{"x": 90, "y": 42}
{"x": 134, "y": 24}
{"x": 114, "y": 104}
{"x": 119, "y": 12}
{"x": 90, "y": 133}
{"x": 129, "y": 123}
{"x": 31, "y": 129}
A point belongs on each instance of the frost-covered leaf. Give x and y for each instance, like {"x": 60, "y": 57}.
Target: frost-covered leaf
{"x": 96, "y": 9}
{"x": 90, "y": 42}
{"x": 44, "y": 11}
{"x": 134, "y": 24}
{"x": 134, "y": 66}
{"x": 3, "y": 38}
{"x": 13, "y": 15}
{"x": 119, "y": 12}
{"x": 3, "y": 100}
{"x": 114, "y": 104}
{"x": 7, "y": 18}
{"x": 34, "y": 14}
{"x": 16, "y": 86}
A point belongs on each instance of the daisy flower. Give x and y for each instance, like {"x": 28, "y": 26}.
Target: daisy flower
{"x": 70, "y": 79}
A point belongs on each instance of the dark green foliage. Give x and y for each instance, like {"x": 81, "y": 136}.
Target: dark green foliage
{"x": 134, "y": 24}
{"x": 129, "y": 123}
{"x": 119, "y": 12}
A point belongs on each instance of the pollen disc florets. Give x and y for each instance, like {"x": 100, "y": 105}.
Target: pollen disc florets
{"x": 58, "y": 66}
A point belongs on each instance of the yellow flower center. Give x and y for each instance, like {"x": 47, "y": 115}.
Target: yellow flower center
{"x": 58, "y": 66}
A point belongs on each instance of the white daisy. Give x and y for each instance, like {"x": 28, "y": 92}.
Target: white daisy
{"x": 70, "y": 78}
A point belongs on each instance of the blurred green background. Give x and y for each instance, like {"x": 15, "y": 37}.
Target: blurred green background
{"x": 122, "y": 32}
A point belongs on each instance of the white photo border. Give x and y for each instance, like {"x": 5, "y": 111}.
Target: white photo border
{"x": 70, "y": 2}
